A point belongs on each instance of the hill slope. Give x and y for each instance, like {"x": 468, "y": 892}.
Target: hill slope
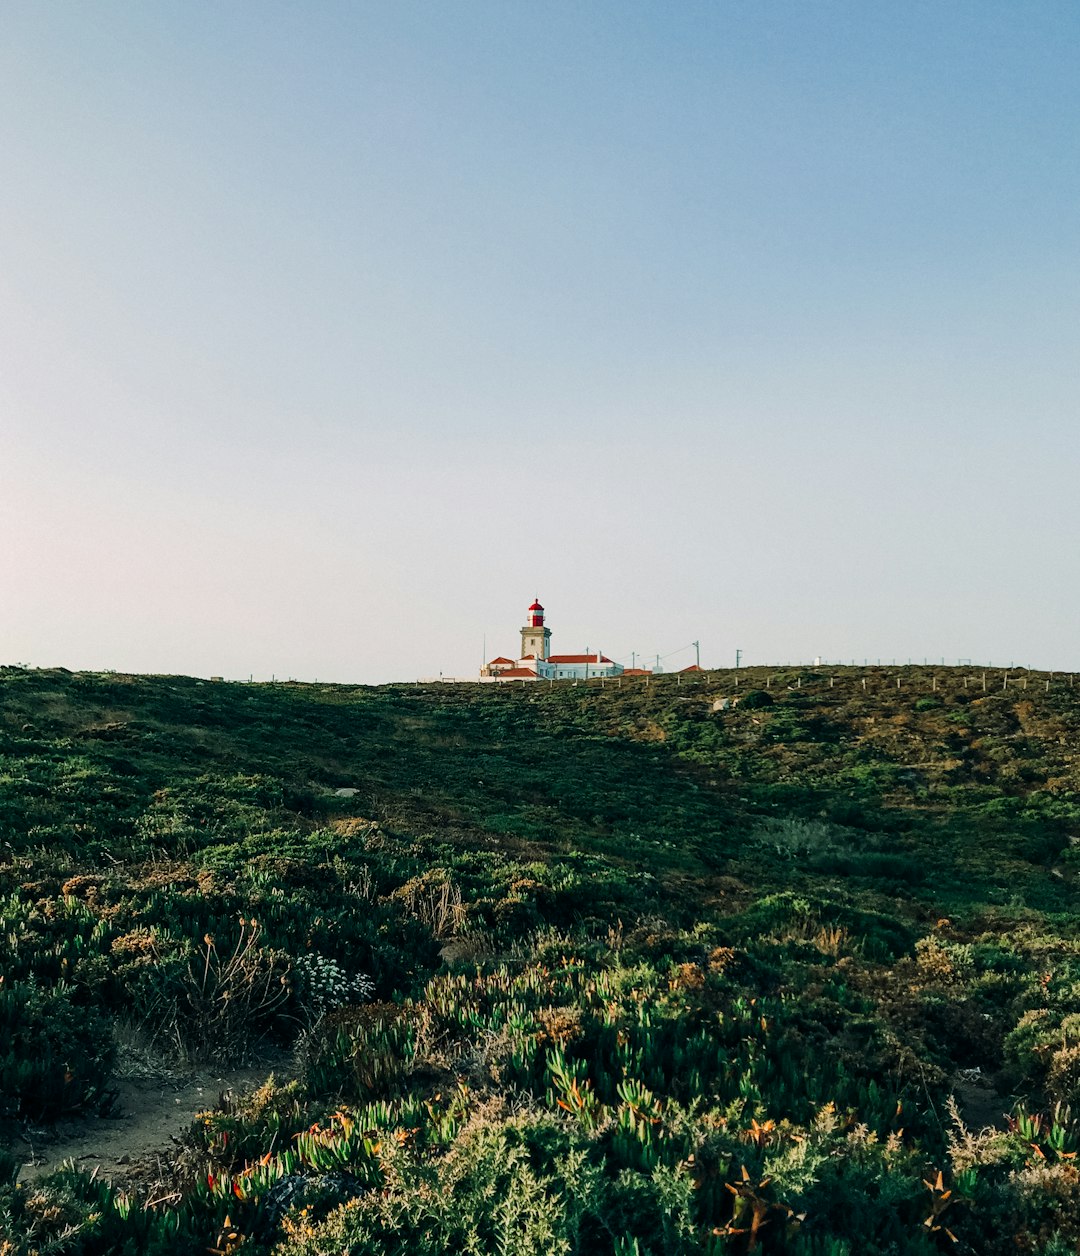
{"x": 563, "y": 968}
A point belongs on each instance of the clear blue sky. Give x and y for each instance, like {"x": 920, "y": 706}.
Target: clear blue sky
{"x": 333, "y": 333}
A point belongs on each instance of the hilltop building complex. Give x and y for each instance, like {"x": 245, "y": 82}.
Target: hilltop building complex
{"x": 536, "y": 662}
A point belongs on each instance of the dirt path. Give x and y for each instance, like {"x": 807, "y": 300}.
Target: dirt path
{"x": 148, "y": 1115}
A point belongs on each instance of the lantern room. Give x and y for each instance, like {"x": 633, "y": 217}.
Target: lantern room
{"x": 536, "y": 615}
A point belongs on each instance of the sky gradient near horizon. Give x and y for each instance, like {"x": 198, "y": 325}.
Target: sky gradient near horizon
{"x": 334, "y": 333}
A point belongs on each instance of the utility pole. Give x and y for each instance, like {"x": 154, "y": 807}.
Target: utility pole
{"x": 697, "y": 654}
{"x": 738, "y": 659}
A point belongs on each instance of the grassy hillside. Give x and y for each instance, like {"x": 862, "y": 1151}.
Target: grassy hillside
{"x": 592, "y": 968}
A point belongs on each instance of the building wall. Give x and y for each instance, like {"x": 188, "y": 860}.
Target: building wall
{"x": 554, "y": 671}
{"x": 577, "y": 671}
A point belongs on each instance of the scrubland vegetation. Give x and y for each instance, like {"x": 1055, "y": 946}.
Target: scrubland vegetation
{"x": 576, "y": 969}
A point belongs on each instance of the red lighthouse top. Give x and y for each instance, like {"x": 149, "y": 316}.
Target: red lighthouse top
{"x": 536, "y": 615}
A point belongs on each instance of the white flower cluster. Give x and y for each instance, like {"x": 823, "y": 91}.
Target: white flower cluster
{"x": 323, "y": 985}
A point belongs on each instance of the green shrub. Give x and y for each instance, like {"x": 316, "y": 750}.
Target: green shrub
{"x": 360, "y": 1052}
{"x": 55, "y": 1057}
{"x": 755, "y": 699}
{"x": 520, "y": 1187}
{"x": 1063, "y": 1075}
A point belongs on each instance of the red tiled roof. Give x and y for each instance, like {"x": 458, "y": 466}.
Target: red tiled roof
{"x": 637, "y": 671}
{"x": 692, "y": 668}
{"x": 523, "y": 672}
{"x": 499, "y": 660}
{"x": 578, "y": 658}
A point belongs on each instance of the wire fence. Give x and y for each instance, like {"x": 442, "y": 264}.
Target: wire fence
{"x": 812, "y": 677}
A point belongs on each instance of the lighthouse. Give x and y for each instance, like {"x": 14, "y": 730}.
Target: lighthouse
{"x": 535, "y": 638}
{"x": 538, "y": 663}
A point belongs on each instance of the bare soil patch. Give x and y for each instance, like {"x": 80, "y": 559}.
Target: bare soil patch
{"x": 144, "y": 1127}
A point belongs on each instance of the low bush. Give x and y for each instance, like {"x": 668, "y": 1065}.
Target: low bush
{"x": 55, "y": 1057}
